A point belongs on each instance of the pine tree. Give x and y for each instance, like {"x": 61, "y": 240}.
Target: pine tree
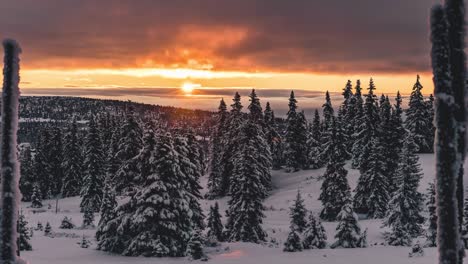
{"x": 371, "y": 193}
{"x": 328, "y": 112}
{"x": 366, "y": 130}
{"x": 314, "y": 145}
{"x": 396, "y": 136}
{"x": 417, "y": 120}
{"x": 314, "y": 235}
{"x": 195, "y": 246}
{"x": 55, "y": 162}
{"x": 26, "y": 183}
{"x": 88, "y": 217}
{"x": 36, "y": 199}
{"x": 84, "y": 243}
{"x": 67, "y": 223}
{"x": 24, "y": 234}
{"x": 108, "y": 208}
{"x": 297, "y": 213}
{"x": 431, "y": 232}
{"x": 128, "y": 147}
{"x": 348, "y": 230}
{"x": 72, "y": 163}
{"x": 91, "y": 193}
{"x": 292, "y": 144}
{"x": 215, "y": 226}
{"x": 347, "y": 94}
{"x": 293, "y": 242}
{"x": 245, "y": 211}
{"x": 156, "y": 220}
{"x": 216, "y": 153}
{"x": 273, "y": 138}
{"x": 386, "y": 135}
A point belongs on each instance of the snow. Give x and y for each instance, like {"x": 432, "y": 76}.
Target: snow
{"x": 65, "y": 250}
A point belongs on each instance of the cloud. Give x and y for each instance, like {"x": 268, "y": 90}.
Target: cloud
{"x": 325, "y": 36}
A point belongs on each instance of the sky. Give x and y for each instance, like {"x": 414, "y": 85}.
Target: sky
{"x": 191, "y": 53}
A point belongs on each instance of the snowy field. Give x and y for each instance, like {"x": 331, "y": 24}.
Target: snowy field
{"x": 63, "y": 248}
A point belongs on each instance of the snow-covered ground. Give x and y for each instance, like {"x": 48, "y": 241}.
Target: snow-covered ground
{"x": 63, "y": 248}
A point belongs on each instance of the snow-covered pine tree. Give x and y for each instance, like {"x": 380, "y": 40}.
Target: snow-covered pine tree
{"x": 195, "y": 246}
{"x": 215, "y": 226}
{"x": 245, "y": 211}
{"x": 10, "y": 193}
{"x": 293, "y": 242}
{"x": 193, "y": 183}
{"x": 217, "y": 148}
{"x": 366, "y": 130}
{"x": 417, "y": 118}
{"x": 348, "y": 230}
{"x": 431, "y": 232}
{"x": 129, "y": 146}
{"x": 108, "y": 207}
{"x": 26, "y": 183}
{"x": 273, "y": 138}
{"x": 297, "y": 214}
{"x": 335, "y": 188}
{"x": 36, "y": 197}
{"x": 356, "y": 123}
{"x": 55, "y": 162}
{"x": 190, "y": 175}
{"x": 47, "y": 229}
{"x": 292, "y": 145}
{"x": 328, "y": 112}
{"x": 347, "y": 95}
{"x": 40, "y": 167}
{"x": 24, "y": 234}
{"x": 302, "y": 137}
{"x": 386, "y": 135}
{"x": 314, "y": 235}
{"x": 91, "y": 192}
{"x": 314, "y": 143}
{"x": 72, "y": 163}
{"x": 396, "y": 136}
{"x": 430, "y": 132}
{"x": 88, "y": 217}
{"x": 371, "y": 193}
{"x": 67, "y": 223}
{"x": 404, "y": 214}
{"x": 446, "y": 146}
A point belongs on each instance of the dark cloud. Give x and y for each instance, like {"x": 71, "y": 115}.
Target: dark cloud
{"x": 338, "y": 36}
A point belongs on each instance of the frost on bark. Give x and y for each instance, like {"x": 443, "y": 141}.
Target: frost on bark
{"x": 10, "y": 194}
{"x": 447, "y": 162}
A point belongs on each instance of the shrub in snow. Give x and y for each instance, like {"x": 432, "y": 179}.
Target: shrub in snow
{"x": 215, "y": 226}
{"x": 84, "y": 243}
{"x": 36, "y": 198}
{"x": 416, "y": 250}
{"x": 362, "y": 242}
{"x": 297, "y": 214}
{"x": 348, "y": 230}
{"x": 195, "y": 246}
{"x": 88, "y": 218}
{"x": 314, "y": 235}
{"x": 39, "y": 226}
{"x": 67, "y": 223}
{"x": 47, "y": 229}
{"x": 24, "y": 234}
{"x": 293, "y": 242}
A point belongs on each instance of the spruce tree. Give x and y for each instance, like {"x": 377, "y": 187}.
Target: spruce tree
{"x": 347, "y": 94}
{"x": 108, "y": 208}
{"x": 67, "y": 223}
{"x": 314, "y": 143}
{"x": 245, "y": 211}
{"x": 371, "y": 193}
{"x": 348, "y": 230}
{"x": 54, "y": 162}
{"x": 91, "y": 192}
{"x": 215, "y": 226}
{"x": 26, "y": 183}
{"x": 217, "y": 148}
{"x": 195, "y": 246}
{"x": 417, "y": 120}
{"x": 396, "y": 137}
{"x": 36, "y": 198}
{"x": 293, "y": 242}
{"x": 328, "y": 112}
{"x": 72, "y": 163}
{"x": 88, "y": 217}
{"x": 404, "y": 214}
{"x": 335, "y": 188}
{"x": 24, "y": 234}
{"x": 297, "y": 213}
{"x": 314, "y": 235}
{"x": 386, "y": 134}
{"x": 47, "y": 229}
{"x": 431, "y": 232}
{"x": 273, "y": 138}
{"x": 292, "y": 144}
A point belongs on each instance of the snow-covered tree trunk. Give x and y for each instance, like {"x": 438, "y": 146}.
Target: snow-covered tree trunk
{"x": 446, "y": 142}
{"x": 10, "y": 194}
{"x": 455, "y": 14}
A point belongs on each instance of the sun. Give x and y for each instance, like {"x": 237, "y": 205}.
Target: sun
{"x": 188, "y": 87}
